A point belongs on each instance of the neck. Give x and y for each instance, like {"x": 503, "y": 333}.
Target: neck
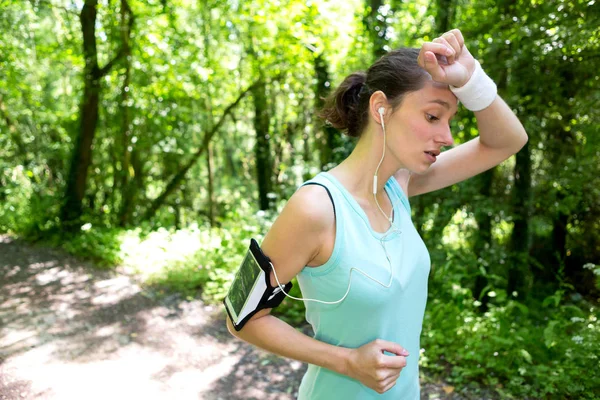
{"x": 358, "y": 169}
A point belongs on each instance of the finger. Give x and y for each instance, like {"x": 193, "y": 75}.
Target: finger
{"x": 391, "y": 378}
{"x": 386, "y": 374}
{"x": 431, "y": 65}
{"x": 394, "y": 362}
{"x": 387, "y": 385}
{"x": 391, "y": 347}
{"x": 437, "y": 48}
{"x": 449, "y": 58}
{"x": 459, "y": 37}
{"x": 453, "y": 41}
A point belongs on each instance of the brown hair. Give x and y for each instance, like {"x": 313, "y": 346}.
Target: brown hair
{"x": 395, "y": 74}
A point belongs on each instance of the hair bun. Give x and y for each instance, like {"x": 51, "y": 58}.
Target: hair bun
{"x": 342, "y": 107}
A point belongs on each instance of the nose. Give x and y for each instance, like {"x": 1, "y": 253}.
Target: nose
{"x": 445, "y": 137}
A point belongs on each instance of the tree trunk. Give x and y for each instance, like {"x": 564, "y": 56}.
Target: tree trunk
{"x": 88, "y": 118}
{"x": 519, "y": 240}
{"x": 306, "y": 157}
{"x": 134, "y": 186}
{"x": 262, "y": 149}
{"x": 443, "y": 16}
{"x": 211, "y": 216}
{"x": 563, "y": 146}
{"x": 483, "y": 236}
{"x": 559, "y": 234}
{"x": 208, "y": 121}
{"x": 326, "y": 137}
{"x": 126, "y": 190}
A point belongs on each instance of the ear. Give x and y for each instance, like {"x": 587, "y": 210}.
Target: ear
{"x": 378, "y": 106}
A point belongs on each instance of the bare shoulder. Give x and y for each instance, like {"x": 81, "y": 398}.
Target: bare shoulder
{"x": 312, "y": 204}
{"x": 296, "y": 236}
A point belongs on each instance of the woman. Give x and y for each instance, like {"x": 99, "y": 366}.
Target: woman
{"x": 359, "y": 261}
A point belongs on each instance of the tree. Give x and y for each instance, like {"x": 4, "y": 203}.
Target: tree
{"x": 88, "y": 120}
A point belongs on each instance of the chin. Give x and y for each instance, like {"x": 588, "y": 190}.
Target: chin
{"x": 420, "y": 169}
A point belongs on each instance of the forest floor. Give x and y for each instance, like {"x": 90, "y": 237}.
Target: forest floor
{"x": 69, "y": 330}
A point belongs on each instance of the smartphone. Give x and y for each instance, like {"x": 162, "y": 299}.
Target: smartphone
{"x": 247, "y": 289}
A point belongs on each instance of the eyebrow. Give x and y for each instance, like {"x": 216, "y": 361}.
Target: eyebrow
{"x": 441, "y": 102}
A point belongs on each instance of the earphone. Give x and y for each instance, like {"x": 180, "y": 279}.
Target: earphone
{"x": 381, "y": 111}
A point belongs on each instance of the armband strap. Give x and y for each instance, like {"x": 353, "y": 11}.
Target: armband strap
{"x": 251, "y": 289}
{"x": 479, "y": 92}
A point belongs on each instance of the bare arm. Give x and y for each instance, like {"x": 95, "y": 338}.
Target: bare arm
{"x": 291, "y": 243}
{"x": 500, "y": 136}
{"x": 275, "y": 336}
{"x": 294, "y": 240}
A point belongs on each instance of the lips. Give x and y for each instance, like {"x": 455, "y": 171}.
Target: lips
{"x": 432, "y": 155}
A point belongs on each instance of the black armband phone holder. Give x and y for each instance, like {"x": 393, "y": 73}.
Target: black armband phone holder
{"x": 251, "y": 289}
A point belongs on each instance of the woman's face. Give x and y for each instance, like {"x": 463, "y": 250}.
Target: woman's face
{"x": 420, "y": 127}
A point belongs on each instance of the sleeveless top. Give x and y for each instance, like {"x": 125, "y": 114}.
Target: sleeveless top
{"x": 370, "y": 311}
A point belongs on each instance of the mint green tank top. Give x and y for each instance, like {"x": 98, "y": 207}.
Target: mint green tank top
{"x": 370, "y": 311}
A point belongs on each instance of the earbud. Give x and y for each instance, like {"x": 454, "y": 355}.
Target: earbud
{"x": 381, "y": 111}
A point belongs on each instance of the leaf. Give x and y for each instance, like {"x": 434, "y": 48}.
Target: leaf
{"x": 526, "y": 356}
{"x": 552, "y": 298}
{"x": 522, "y": 307}
{"x": 549, "y": 337}
{"x": 502, "y": 340}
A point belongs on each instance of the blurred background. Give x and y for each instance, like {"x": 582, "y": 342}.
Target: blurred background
{"x": 152, "y": 139}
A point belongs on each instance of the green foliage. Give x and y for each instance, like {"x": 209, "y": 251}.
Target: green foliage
{"x": 596, "y": 271}
{"x": 208, "y": 271}
{"x": 190, "y": 60}
{"x": 26, "y": 208}
{"x": 533, "y": 349}
{"x": 101, "y": 245}
{"x": 211, "y": 268}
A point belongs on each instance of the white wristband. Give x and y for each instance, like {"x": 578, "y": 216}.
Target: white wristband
{"x": 479, "y": 92}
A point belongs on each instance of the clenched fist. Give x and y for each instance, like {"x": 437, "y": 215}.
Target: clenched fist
{"x": 447, "y": 59}
{"x": 374, "y": 369}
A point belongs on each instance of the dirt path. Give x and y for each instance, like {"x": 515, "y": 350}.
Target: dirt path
{"x": 69, "y": 331}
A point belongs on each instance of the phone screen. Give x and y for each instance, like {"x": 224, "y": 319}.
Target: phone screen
{"x": 243, "y": 284}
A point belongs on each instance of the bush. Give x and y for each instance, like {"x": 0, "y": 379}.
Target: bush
{"x": 101, "y": 245}
{"x": 26, "y": 209}
{"x": 212, "y": 266}
{"x": 537, "y": 349}
{"x": 211, "y": 269}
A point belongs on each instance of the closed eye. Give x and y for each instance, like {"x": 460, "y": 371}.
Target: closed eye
{"x": 431, "y": 118}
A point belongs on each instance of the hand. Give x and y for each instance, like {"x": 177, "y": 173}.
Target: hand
{"x": 447, "y": 59}
{"x": 374, "y": 369}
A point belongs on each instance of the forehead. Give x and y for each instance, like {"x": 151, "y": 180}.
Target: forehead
{"x": 433, "y": 93}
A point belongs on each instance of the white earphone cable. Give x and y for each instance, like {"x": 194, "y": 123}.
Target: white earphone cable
{"x": 381, "y": 112}
{"x": 390, "y": 231}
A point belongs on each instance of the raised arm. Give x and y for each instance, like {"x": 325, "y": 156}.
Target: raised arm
{"x": 501, "y": 134}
